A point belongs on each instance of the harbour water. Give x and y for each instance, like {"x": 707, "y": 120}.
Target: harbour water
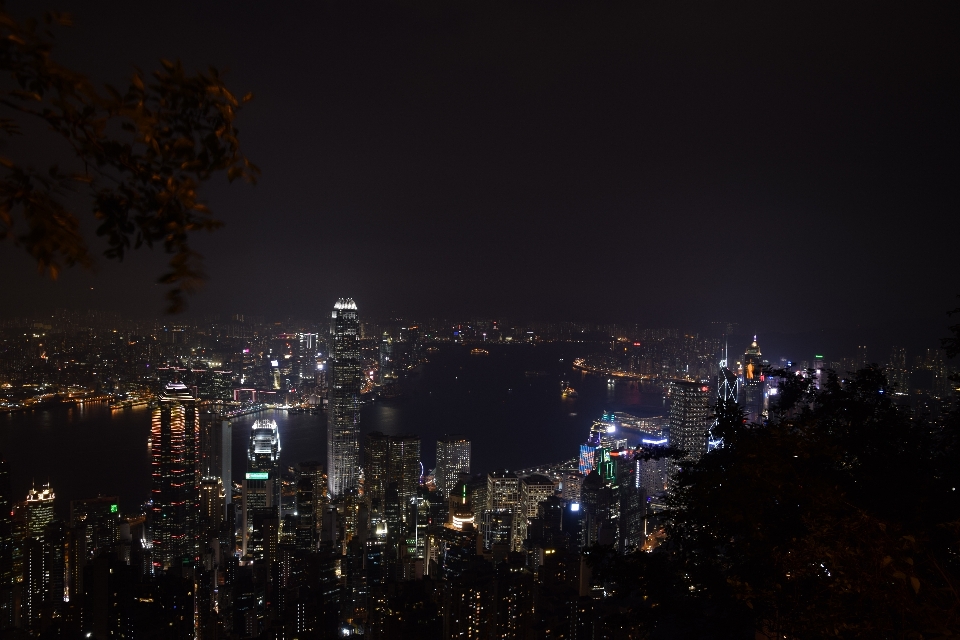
{"x": 507, "y": 401}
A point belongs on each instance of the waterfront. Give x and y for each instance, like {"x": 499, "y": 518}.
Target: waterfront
{"x": 508, "y": 402}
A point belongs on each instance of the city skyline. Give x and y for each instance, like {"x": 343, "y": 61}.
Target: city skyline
{"x": 478, "y": 320}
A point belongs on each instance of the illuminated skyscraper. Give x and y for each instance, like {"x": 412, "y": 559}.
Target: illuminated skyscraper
{"x": 263, "y": 454}
{"x": 376, "y": 466}
{"x": 100, "y": 519}
{"x": 6, "y": 550}
{"x": 405, "y": 467}
{"x": 453, "y": 462}
{"x": 534, "y": 489}
{"x": 690, "y": 417}
{"x": 174, "y": 444}
{"x": 343, "y": 425}
{"x": 898, "y": 375}
{"x": 503, "y": 490}
{"x": 261, "y": 488}
{"x": 752, "y": 388}
{"x": 39, "y": 511}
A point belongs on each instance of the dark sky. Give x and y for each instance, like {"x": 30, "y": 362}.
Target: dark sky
{"x": 777, "y": 165}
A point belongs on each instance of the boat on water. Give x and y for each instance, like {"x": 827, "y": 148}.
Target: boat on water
{"x": 570, "y": 392}
{"x": 479, "y": 352}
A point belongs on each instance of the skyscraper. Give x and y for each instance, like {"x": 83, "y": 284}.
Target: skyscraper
{"x": 261, "y": 488}
{"x": 343, "y": 425}
{"x": 263, "y": 453}
{"x": 376, "y": 466}
{"x": 752, "y": 387}
{"x": 226, "y": 460}
{"x": 175, "y": 435}
{"x": 405, "y": 467}
{"x": 6, "y": 550}
{"x": 453, "y": 461}
{"x": 39, "y": 511}
{"x": 689, "y": 417}
{"x": 898, "y": 374}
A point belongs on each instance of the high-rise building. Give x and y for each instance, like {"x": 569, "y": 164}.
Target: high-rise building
{"x": 392, "y": 471}
{"x": 263, "y": 453}
{"x": 690, "y": 417}
{"x": 39, "y": 511}
{"x": 376, "y": 466}
{"x": 100, "y": 519}
{"x": 312, "y": 472}
{"x": 752, "y": 383}
{"x": 226, "y": 460}
{"x": 898, "y": 373}
{"x": 453, "y": 463}
{"x": 306, "y": 360}
{"x": 405, "y": 467}
{"x": 34, "y": 587}
{"x": 212, "y": 500}
{"x": 503, "y": 490}
{"x": 261, "y": 489}
{"x": 534, "y": 489}
{"x": 343, "y": 425}
{"x": 7, "y": 576}
{"x": 174, "y": 444}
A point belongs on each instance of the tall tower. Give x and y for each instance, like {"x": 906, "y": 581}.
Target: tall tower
{"x": 39, "y": 511}
{"x": 261, "y": 486}
{"x": 753, "y": 387}
{"x": 174, "y": 444}
{"x": 453, "y": 460}
{"x": 343, "y": 425}
{"x": 689, "y": 417}
{"x": 263, "y": 454}
{"x": 6, "y": 550}
{"x": 405, "y": 467}
{"x": 376, "y": 466}
{"x": 898, "y": 375}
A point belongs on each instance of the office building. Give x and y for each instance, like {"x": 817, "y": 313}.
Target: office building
{"x": 226, "y": 460}
{"x": 343, "y": 423}
{"x": 376, "y": 466}
{"x": 212, "y": 503}
{"x": 261, "y": 490}
{"x": 39, "y": 511}
{"x": 100, "y": 519}
{"x": 453, "y": 463}
{"x": 7, "y": 576}
{"x": 752, "y": 384}
{"x": 405, "y": 467}
{"x": 175, "y": 509}
{"x": 263, "y": 453}
{"x": 898, "y": 373}
{"x": 690, "y": 417}
{"x": 503, "y": 490}
{"x": 533, "y": 490}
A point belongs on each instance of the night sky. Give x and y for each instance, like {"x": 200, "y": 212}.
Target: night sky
{"x": 666, "y": 163}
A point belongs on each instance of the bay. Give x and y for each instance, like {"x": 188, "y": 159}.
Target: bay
{"x": 507, "y": 401}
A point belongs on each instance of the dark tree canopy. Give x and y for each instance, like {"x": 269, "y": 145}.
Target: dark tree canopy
{"x": 839, "y": 517}
{"x": 145, "y": 151}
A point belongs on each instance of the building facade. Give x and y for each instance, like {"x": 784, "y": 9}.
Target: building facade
{"x": 343, "y": 425}
{"x": 175, "y": 436}
{"x": 453, "y": 463}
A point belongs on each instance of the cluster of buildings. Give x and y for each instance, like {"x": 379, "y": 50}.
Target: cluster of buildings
{"x": 367, "y": 542}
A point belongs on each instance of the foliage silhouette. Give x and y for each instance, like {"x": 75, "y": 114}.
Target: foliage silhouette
{"x": 145, "y": 151}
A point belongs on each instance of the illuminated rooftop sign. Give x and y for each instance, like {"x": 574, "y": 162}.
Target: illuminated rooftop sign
{"x": 258, "y": 475}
